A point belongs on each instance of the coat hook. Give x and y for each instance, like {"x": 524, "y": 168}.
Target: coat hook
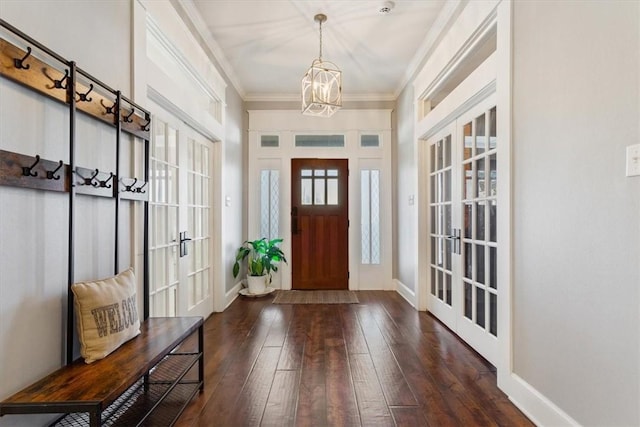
{"x": 84, "y": 97}
{"x": 140, "y": 189}
{"x": 89, "y": 181}
{"x": 58, "y": 84}
{"x": 26, "y": 170}
{"x": 109, "y": 110}
{"x": 145, "y": 127}
{"x": 128, "y": 118}
{"x": 52, "y": 174}
{"x": 129, "y": 188}
{"x": 19, "y": 63}
{"x": 103, "y": 184}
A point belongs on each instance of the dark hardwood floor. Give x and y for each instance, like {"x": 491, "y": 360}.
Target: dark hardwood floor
{"x": 377, "y": 363}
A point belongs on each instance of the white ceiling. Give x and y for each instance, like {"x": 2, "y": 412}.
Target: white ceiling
{"x": 266, "y": 46}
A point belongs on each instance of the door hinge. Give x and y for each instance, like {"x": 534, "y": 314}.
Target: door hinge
{"x": 348, "y": 223}
{"x": 348, "y": 275}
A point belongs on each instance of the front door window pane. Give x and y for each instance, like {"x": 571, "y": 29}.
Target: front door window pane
{"x": 318, "y": 198}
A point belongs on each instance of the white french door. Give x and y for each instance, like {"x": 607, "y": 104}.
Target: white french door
{"x": 463, "y": 166}
{"x": 180, "y": 221}
{"x": 444, "y": 218}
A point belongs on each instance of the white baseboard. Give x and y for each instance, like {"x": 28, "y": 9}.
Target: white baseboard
{"x": 537, "y": 407}
{"x": 405, "y": 292}
{"x": 232, "y": 294}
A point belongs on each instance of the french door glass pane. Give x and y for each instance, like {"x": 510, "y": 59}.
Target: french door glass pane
{"x": 480, "y": 189}
{"x": 468, "y": 180}
{"x": 493, "y": 175}
{"x": 467, "y": 213}
{"x": 468, "y": 261}
{"x": 172, "y": 146}
{"x": 447, "y": 254}
{"x": 493, "y": 265}
{"x": 468, "y": 301}
{"x": 481, "y": 135}
{"x": 493, "y": 122}
{"x": 432, "y": 158}
{"x": 467, "y": 140}
{"x": 493, "y": 314}
{"x": 447, "y": 220}
{"x": 433, "y": 250}
{"x": 172, "y": 184}
{"x": 480, "y": 220}
{"x": 447, "y": 151}
{"x": 446, "y": 183}
{"x": 480, "y": 264}
{"x": 480, "y": 315}
{"x": 439, "y": 155}
{"x": 433, "y": 281}
{"x": 159, "y": 141}
{"x": 493, "y": 221}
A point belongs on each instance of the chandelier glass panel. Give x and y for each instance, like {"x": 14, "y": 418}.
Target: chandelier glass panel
{"x": 322, "y": 84}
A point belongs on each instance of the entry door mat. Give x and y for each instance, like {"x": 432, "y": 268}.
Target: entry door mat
{"x": 316, "y": 297}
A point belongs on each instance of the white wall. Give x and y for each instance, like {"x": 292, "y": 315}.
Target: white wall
{"x": 576, "y": 233}
{"x": 406, "y": 229}
{"x": 34, "y": 224}
{"x": 236, "y": 139}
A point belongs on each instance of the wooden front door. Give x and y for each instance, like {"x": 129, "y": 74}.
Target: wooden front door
{"x": 320, "y": 223}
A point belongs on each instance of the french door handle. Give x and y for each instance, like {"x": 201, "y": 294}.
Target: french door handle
{"x": 455, "y": 237}
{"x": 183, "y": 243}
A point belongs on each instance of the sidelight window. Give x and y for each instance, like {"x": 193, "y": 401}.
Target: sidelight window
{"x": 370, "y": 216}
{"x": 269, "y": 203}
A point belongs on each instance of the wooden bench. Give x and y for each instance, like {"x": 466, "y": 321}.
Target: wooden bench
{"x": 147, "y": 381}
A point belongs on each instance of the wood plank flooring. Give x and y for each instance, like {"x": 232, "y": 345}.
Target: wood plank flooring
{"x": 377, "y": 363}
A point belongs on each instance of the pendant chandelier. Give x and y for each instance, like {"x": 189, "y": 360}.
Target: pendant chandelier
{"x": 322, "y": 84}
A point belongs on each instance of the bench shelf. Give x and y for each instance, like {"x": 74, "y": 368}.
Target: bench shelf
{"x": 147, "y": 381}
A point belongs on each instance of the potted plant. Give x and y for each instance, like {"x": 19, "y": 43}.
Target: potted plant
{"x": 262, "y": 257}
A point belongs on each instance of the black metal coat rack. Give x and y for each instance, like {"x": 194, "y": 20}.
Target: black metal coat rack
{"x": 44, "y": 71}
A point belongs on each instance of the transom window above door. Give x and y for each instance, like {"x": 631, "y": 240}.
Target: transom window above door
{"x": 319, "y": 187}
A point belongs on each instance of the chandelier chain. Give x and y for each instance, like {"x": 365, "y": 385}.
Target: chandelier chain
{"x": 320, "y": 56}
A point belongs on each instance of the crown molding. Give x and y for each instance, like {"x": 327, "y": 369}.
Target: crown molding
{"x": 290, "y": 97}
{"x": 169, "y": 48}
{"x": 212, "y": 46}
{"x": 450, "y": 10}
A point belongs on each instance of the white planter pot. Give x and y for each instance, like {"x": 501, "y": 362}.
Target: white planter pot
{"x": 257, "y": 284}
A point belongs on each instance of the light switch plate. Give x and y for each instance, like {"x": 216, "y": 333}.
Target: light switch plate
{"x": 633, "y": 160}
